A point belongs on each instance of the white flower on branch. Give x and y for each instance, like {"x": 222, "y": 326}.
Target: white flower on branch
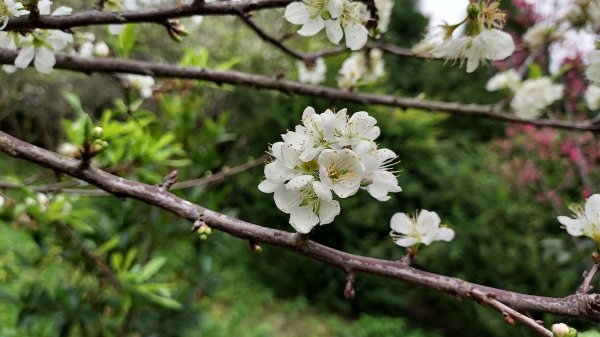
{"x": 586, "y": 221}
{"x": 143, "y": 84}
{"x": 39, "y": 47}
{"x": 44, "y": 8}
{"x": 534, "y": 96}
{"x": 8, "y": 9}
{"x": 328, "y": 152}
{"x": 490, "y": 44}
{"x": 361, "y": 68}
{"x": 539, "y": 33}
{"x": 341, "y": 171}
{"x": 425, "y": 229}
{"x": 313, "y": 74}
{"x": 593, "y": 70}
{"x": 509, "y": 79}
{"x": 592, "y": 97}
{"x": 379, "y": 177}
{"x": 338, "y": 17}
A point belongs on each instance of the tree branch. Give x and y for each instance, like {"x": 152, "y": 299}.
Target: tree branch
{"x": 578, "y": 305}
{"x": 62, "y": 187}
{"x": 510, "y": 315}
{"x": 156, "y": 15}
{"x": 114, "y": 65}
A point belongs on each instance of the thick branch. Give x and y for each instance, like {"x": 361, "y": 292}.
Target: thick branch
{"x": 113, "y": 65}
{"x": 579, "y": 305}
{"x": 157, "y": 15}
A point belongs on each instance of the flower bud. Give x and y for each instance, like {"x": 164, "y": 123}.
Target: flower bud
{"x": 473, "y": 9}
{"x": 101, "y": 49}
{"x": 96, "y": 147}
{"x": 203, "y": 236}
{"x": 563, "y": 330}
{"x": 97, "y": 132}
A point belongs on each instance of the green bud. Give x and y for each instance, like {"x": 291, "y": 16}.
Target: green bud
{"x": 563, "y": 330}
{"x": 97, "y": 148}
{"x": 97, "y": 132}
{"x": 207, "y": 230}
{"x": 473, "y": 9}
{"x": 203, "y": 236}
{"x": 104, "y": 144}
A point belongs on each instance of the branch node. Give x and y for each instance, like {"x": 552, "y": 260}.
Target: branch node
{"x": 169, "y": 180}
{"x": 349, "y": 291}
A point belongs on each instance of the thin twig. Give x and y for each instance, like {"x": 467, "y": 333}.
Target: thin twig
{"x": 588, "y": 276}
{"x": 209, "y": 179}
{"x": 510, "y": 314}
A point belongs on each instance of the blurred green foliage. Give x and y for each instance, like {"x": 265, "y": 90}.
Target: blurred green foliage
{"x": 163, "y": 281}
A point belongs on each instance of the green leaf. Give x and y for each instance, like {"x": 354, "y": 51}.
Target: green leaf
{"x": 151, "y": 268}
{"x": 535, "y": 71}
{"x": 109, "y": 245}
{"x": 127, "y": 40}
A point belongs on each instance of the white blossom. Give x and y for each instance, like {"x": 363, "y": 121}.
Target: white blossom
{"x": 341, "y": 171}
{"x": 592, "y": 97}
{"x": 329, "y": 153}
{"x": 425, "y": 229}
{"x": 384, "y": 10}
{"x": 490, "y": 44}
{"x": 306, "y": 207}
{"x": 8, "y": 9}
{"x": 44, "y": 8}
{"x": 593, "y": 70}
{"x": 379, "y": 178}
{"x": 587, "y": 221}
{"x": 509, "y": 79}
{"x": 357, "y": 69}
{"x": 142, "y": 83}
{"x": 534, "y": 96}
{"x": 338, "y": 17}
{"x": 350, "y": 22}
{"x": 314, "y": 74}
{"x": 2, "y": 201}
{"x": 537, "y": 34}
{"x": 40, "y": 47}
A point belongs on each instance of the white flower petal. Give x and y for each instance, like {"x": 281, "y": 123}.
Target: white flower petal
{"x": 44, "y": 60}
{"x": 333, "y": 29}
{"x": 312, "y": 27}
{"x": 356, "y": 35}
{"x": 322, "y": 191}
{"x": 297, "y": 13}
{"x": 401, "y": 223}
{"x": 406, "y": 242}
{"x": 303, "y": 219}
{"x": 328, "y": 211}
{"x": 26, "y": 55}
{"x": 573, "y": 226}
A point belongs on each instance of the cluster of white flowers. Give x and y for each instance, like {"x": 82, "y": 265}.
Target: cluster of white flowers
{"x": 593, "y": 70}
{"x": 339, "y": 18}
{"x": 531, "y": 96}
{"x": 39, "y": 45}
{"x": 143, "y": 84}
{"x": 361, "y": 68}
{"x": 89, "y": 47}
{"x": 313, "y": 74}
{"x": 328, "y": 152}
{"x": 587, "y": 221}
{"x": 592, "y": 97}
{"x": 425, "y": 228}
